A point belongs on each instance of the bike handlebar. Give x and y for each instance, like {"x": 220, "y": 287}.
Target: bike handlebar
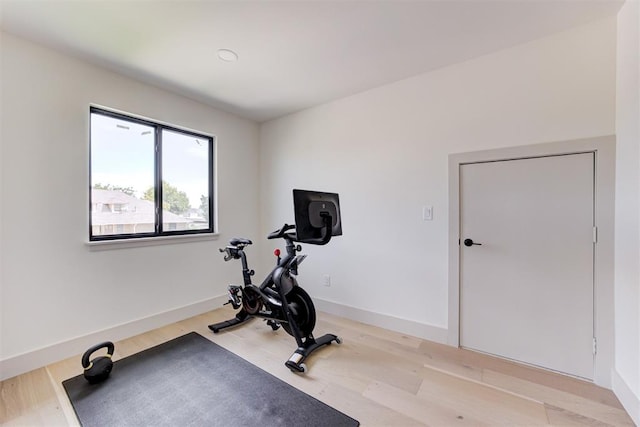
{"x": 282, "y": 232}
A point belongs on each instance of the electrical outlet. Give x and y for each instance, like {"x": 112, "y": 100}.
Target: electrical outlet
{"x": 326, "y": 280}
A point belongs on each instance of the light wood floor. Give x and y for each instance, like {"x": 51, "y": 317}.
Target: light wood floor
{"x": 378, "y": 377}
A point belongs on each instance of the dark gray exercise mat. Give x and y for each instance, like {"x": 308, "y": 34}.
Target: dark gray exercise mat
{"x": 191, "y": 381}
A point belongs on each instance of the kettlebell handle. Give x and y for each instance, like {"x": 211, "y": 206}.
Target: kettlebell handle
{"x": 86, "y": 364}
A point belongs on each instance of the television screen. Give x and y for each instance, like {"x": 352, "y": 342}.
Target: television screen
{"x": 312, "y": 209}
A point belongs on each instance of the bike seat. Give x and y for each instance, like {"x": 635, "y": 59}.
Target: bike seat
{"x": 239, "y": 241}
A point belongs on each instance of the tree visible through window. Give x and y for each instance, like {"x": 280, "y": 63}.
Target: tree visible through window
{"x": 148, "y": 179}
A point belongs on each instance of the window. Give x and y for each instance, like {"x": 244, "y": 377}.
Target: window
{"x": 148, "y": 179}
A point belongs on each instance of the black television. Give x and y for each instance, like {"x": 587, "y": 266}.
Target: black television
{"x": 317, "y": 216}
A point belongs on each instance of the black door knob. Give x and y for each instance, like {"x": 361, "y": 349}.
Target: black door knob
{"x": 469, "y": 242}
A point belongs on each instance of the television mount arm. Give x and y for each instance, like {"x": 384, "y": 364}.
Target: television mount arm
{"x": 327, "y": 220}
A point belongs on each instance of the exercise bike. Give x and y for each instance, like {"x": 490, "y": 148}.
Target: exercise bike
{"x": 279, "y": 300}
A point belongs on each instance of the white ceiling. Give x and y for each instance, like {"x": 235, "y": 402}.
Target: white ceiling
{"x": 292, "y": 54}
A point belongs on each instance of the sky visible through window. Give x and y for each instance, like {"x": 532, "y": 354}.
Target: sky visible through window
{"x": 185, "y": 164}
{"x": 122, "y": 155}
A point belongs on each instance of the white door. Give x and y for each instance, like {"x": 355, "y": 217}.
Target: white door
{"x": 526, "y": 292}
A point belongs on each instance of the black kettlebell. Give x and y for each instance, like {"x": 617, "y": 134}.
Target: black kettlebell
{"x": 98, "y": 369}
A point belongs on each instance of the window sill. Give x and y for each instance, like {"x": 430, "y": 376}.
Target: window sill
{"x": 105, "y": 245}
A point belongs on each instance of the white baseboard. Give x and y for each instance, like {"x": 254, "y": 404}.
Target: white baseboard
{"x": 627, "y": 397}
{"x": 29, "y": 361}
{"x": 404, "y": 326}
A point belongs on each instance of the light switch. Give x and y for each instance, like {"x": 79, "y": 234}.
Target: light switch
{"x": 427, "y": 213}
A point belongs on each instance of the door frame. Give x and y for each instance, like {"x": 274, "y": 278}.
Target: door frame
{"x": 604, "y": 185}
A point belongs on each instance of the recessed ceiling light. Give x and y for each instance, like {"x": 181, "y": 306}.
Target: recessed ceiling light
{"x": 227, "y": 55}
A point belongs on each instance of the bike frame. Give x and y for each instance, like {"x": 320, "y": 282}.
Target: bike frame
{"x": 272, "y": 299}
{"x": 272, "y": 294}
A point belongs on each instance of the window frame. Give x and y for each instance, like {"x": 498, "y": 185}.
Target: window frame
{"x": 159, "y": 231}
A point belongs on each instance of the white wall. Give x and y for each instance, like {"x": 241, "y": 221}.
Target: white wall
{"x": 385, "y": 151}
{"x": 2, "y": 299}
{"x": 54, "y": 288}
{"x": 627, "y": 251}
